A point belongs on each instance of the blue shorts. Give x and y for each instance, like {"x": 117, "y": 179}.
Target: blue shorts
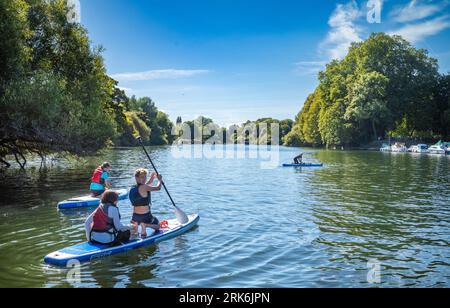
{"x": 147, "y": 219}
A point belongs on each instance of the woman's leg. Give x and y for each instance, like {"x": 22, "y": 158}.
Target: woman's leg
{"x": 143, "y": 230}
{"x": 97, "y": 193}
{"x": 135, "y": 227}
{"x": 148, "y": 222}
{"x": 153, "y": 223}
{"x": 154, "y": 227}
{"x": 123, "y": 237}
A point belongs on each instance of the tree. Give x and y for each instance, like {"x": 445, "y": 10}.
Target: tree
{"x": 441, "y": 98}
{"x": 14, "y": 31}
{"x": 368, "y": 100}
{"x": 293, "y": 138}
{"x": 333, "y": 127}
{"x": 53, "y": 85}
{"x": 382, "y": 85}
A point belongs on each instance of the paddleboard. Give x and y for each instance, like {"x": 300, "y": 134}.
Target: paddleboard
{"x": 302, "y": 165}
{"x": 87, "y": 201}
{"x": 86, "y": 252}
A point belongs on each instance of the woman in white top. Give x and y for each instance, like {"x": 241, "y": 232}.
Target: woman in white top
{"x": 103, "y": 226}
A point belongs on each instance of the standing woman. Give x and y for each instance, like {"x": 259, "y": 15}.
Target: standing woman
{"x": 140, "y": 197}
{"x": 100, "y": 180}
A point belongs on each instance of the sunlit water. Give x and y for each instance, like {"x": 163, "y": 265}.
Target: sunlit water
{"x": 282, "y": 227}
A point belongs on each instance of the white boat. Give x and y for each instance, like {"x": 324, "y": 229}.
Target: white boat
{"x": 385, "y": 148}
{"x": 420, "y": 148}
{"x": 413, "y": 149}
{"x": 437, "y": 149}
{"x": 398, "y": 147}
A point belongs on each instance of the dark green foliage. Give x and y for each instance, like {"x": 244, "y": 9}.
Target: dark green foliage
{"x": 383, "y": 86}
{"x": 53, "y": 84}
{"x": 55, "y": 95}
{"x": 156, "y": 122}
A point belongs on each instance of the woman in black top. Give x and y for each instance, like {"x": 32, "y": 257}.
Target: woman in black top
{"x": 140, "y": 197}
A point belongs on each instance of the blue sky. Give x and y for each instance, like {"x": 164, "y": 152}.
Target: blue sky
{"x": 238, "y": 60}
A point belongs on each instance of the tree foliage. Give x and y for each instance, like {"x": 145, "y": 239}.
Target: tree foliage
{"x": 383, "y": 86}
{"x": 55, "y": 94}
{"x": 53, "y": 84}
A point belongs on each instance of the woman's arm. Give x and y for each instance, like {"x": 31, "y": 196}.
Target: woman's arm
{"x": 148, "y": 187}
{"x": 158, "y": 186}
{"x": 152, "y": 178}
{"x": 106, "y": 181}
{"x": 113, "y": 213}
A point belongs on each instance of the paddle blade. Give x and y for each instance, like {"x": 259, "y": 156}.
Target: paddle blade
{"x": 181, "y": 216}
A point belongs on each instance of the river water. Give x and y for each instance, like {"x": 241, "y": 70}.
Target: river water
{"x": 365, "y": 219}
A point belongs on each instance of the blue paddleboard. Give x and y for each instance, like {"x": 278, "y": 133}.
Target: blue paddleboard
{"x": 86, "y": 252}
{"x": 87, "y": 201}
{"x": 302, "y": 165}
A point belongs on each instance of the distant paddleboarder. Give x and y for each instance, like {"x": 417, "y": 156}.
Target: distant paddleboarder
{"x": 100, "y": 179}
{"x": 298, "y": 160}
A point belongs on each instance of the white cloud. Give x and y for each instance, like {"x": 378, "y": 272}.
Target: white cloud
{"x": 309, "y": 67}
{"x": 343, "y": 30}
{"x": 415, "y": 21}
{"x": 417, "y": 32}
{"x": 158, "y": 74}
{"x": 125, "y": 89}
{"x": 416, "y": 10}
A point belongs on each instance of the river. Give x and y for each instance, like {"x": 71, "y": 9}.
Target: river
{"x": 366, "y": 219}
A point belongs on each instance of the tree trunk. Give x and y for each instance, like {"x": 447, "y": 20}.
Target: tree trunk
{"x": 374, "y": 130}
{"x": 7, "y": 165}
{"x": 21, "y": 164}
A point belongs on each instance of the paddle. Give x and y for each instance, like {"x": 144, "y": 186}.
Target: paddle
{"x": 181, "y": 216}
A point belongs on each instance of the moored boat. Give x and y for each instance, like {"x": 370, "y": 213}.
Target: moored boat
{"x": 437, "y": 149}
{"x": 420, "y": 148}
{"x": 399, "y": 148}
{"x": 385, "y": 148}
{"x": 412, "y": 149}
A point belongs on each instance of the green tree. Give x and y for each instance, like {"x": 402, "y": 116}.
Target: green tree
{"x": 333, "y": 127}
{"x": 14, "y": 31}
{"x": 441, "y": 98}
{"x": 368, "y": 100}
{"x": 382, "y": 85}
{"x": 52, "y": 81}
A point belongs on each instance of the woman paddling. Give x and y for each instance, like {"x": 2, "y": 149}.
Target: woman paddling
{"x": 100, "y": 180}
{"x": 140, "y": 197}
{"x": 298, "y": 160}
{"x": 103, "y": 226}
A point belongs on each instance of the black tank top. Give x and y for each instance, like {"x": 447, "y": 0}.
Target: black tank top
{"x": 136, "y": 198}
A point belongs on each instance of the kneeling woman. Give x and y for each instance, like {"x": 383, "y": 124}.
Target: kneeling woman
{"x": 103, "y": 226}
{"x": 140, "y": 197}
